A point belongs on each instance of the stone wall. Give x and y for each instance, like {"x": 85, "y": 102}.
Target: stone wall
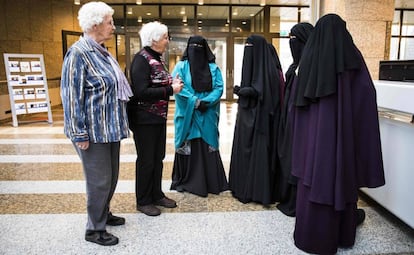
{"x": 35, "y": 27}
{"x": 369, "y": 22}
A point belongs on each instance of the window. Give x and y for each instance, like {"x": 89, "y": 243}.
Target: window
{"x": 402, "y": 35}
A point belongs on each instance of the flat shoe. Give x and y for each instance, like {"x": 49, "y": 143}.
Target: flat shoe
{"x": 114, "y": 220}
{"x": 101, "y": 237}
{"x": 149, "y": 210}
{"x": 360, "y": 216}
{"x": 166, "y": 202}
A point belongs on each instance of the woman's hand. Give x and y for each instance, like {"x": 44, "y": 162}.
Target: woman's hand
{"x": 177, "y": 84}
{"x": 83, "y": 145}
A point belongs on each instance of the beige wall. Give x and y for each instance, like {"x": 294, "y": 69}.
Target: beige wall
{"x": 35, "y": 27}
{"x": 369, "y": 22}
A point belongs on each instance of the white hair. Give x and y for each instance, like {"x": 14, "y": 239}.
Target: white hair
{"x": 152, "y": 31}
{"x": 93, "y": 13}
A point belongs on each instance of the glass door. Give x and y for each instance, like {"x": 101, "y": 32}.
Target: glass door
{"x": 218, "y": 46}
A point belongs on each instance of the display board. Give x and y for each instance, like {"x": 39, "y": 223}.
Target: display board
{"x": 27, "y": 83}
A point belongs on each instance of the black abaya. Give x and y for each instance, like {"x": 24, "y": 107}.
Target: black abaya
{"x": 254, "y": 163}
{"x": 287, "y": 182}
{"x": 336, "y": 140}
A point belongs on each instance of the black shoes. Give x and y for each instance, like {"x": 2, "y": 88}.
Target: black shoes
{"x": 149, "y": 210}
{"x": 114, "y": 220}
{"x": 166, "y": 202}
{"x": 152, "y": 210}
{"x": 360, "y": 216}
{"x": 101, "y": 237}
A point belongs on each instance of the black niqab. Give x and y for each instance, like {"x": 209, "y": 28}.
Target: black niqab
{"x": 329, "y": 51}
{"x": 260, "y": 65}
{"x": 199, "y": 56}
{"x": 299, "y": 34}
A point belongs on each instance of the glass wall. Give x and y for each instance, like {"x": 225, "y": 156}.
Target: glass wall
{"x": 226, "y": 28}
{"x": 402, "y": 35}
{"x": 247, "y": 19}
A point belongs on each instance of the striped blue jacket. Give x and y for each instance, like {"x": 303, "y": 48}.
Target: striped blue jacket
{"x": 89, "y": 97}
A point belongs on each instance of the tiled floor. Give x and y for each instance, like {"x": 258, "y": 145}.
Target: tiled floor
{"x": 42, "y": 205}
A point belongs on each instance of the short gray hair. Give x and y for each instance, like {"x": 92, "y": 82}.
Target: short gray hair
{"x": 152, "y": 31}
{"x": 93, "y": 13}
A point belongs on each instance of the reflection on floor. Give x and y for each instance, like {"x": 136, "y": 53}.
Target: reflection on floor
{"x": 42, "y": 204}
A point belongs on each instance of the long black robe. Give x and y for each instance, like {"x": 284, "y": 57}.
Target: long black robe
{"x": 287, "y": 182}
{"x": 336, "y": 140}
{"x": 254, "y": 162}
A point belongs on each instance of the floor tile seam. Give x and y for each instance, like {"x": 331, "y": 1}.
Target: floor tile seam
{"x": 131, "y": 212}
{"x": 53, "y": 158}
{"x": 64, "y": 141}
{"x": 63, "y": 187}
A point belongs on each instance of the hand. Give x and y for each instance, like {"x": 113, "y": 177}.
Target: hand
{"x": 248, "y": 92}
{"x": 236, "y": 89}
{"x": 83, "y": 145}
{"x": 203, "y": 106}
{"x": 177, "y": 84}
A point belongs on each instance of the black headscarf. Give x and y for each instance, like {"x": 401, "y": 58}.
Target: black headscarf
{"x": 199, "y": 55}
{"x": 329, "y": 51}
{"x": 260, "y": 71}
{"x": 299, "y": 34}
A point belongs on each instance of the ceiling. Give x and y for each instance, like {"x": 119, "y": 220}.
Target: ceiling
{"x": 246, "y": 2}
{"x": 398, "y": 3}
{"x": 218, "y": 12}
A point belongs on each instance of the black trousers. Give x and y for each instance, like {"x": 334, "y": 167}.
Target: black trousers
{"x": 150, "y": 145}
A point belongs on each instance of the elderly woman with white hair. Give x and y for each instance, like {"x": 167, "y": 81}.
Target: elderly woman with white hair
{"x": 152, "y": 86}
{"x": 94, "y": 93}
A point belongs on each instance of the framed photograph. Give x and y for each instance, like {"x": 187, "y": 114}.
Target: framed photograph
{"x": 35, "y": 65}
{"x": 29, "y": 93}
{"x": 24, "y": 67}
{"x": 40, "y": 93}
{"x": 14, "y": 79}
{"x": 20, "y": 108}
{"x": 18, "y": 94}
{"x": 30, "y": 79}
{"x": 22, "y": 80}
{"x": 38, "y": 79}
{"x": 33, "y": 107}
{"x": 14, "y": 66}
{"x": 42, "y": 106}
{"x": 69, "y": 38}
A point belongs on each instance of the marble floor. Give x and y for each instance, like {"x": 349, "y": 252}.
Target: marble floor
{"x": 42, "y": 204}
